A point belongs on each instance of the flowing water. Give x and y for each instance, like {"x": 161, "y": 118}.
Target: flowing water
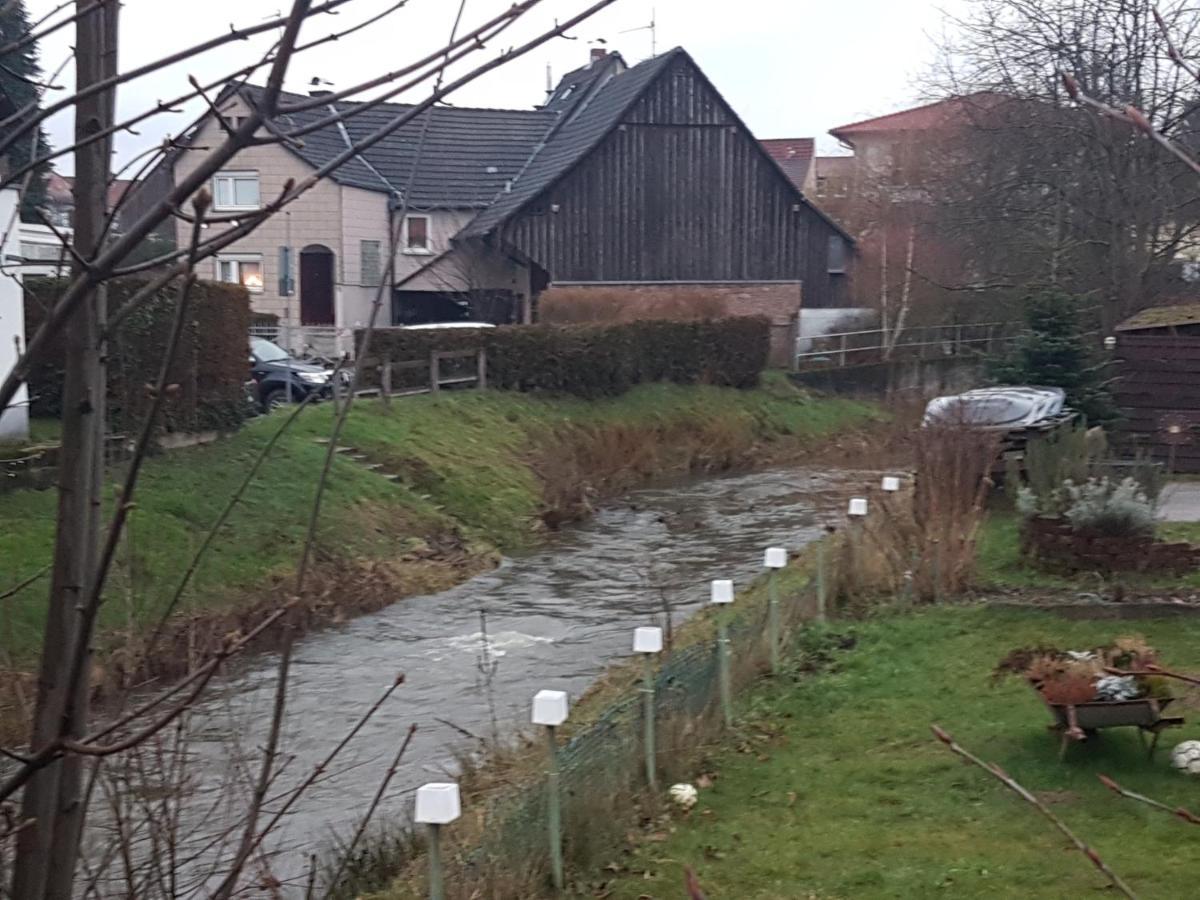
{"x": 555, "y": 619}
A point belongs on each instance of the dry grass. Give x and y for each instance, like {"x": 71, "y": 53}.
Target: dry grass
{"x": 564, "y": 305}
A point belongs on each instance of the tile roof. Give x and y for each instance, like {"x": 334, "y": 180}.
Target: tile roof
{"x": 467, "y": 158}
{"x": 929, "y": 115}
{"x": 794, "y": 155}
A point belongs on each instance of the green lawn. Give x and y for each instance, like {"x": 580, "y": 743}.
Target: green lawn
{"x": 837, "y": 789}
{"x": 467, "y": 460}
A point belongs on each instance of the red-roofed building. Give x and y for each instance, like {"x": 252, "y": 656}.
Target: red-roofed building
{"x": 795, "y": 157}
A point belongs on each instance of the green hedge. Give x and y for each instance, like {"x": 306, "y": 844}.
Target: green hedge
{"x": 210, "y": 368}
{"x": 595, "y": 360}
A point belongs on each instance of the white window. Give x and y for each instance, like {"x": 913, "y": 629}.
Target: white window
{"x": 244, "y": 269}
{"x": 416, "y": 234}
{"x": 235, "y": 190}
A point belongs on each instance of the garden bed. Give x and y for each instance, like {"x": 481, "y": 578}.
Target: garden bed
{"x": 1055, "y": 545}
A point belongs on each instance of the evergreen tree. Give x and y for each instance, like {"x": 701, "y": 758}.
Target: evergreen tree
{"x": 19, "y": 73}
{"x": 1054, "y": 353}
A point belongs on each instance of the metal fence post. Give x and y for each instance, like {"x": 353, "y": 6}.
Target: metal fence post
{"x": 435, "y": 374}
{"x": 648, "y": 715}
{"x": 822, "y": 580}
{"x": 437, "y": 886}
{"x": 774, "y": 559}
{"x": 647, "y": 640}
{"x": 726, "y": 685}
{"x": 554, "y": 811}
{"x": 385, "y": 383}
{"x": 481, "y": 369}
{"x": 842, "y": 343}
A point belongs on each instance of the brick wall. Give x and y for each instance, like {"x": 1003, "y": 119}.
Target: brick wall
{"x": 779, "y": 302}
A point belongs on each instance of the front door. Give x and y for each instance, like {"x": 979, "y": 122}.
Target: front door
{"x": 316, "y": 285}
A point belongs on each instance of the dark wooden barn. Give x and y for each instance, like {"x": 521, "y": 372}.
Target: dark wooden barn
{"x": 1158, "y": 383}
{"x": 650, "y": 178}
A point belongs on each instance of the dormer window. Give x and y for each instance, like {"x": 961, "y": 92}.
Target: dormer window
{"x": 416, "y": 235}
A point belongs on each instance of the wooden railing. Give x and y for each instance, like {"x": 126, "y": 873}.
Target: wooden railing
{"x": 436, "y": 381}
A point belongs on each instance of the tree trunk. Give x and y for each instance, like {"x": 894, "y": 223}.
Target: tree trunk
{"x": 47, "y": 852}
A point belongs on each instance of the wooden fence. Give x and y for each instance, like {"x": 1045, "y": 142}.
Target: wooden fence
{"x": 438, "y": 377}
{"x": 1158, "y": 391}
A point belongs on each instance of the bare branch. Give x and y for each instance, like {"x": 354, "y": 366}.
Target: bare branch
{"x": 1177, "y": 811}
{"x": 1004, "y": 778}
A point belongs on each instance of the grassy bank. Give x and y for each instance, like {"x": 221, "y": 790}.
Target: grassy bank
{"x": 834, "y": 786}
{"x": 479, "y": 472}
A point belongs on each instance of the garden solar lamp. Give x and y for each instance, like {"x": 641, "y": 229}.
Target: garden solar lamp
{"x": 858, "y": 507}
{"x": 722, "y": 595}
{"x": 550, "y": 710}
{"x": 891, "y": 484}
{"x": 647, "y": 640}
{"x": 774, "y": 559}
{"x": 437, "y": 805}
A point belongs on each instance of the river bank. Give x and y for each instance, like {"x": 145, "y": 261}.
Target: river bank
{"x": 471, "y": 476}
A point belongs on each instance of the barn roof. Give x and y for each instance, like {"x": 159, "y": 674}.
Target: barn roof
{"x": 1162, "y": 317}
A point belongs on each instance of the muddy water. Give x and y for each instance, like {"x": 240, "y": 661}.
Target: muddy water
{"x": 555, "y": 619}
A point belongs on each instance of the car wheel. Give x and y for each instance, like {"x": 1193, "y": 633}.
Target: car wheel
{"x": 274, "y": 399}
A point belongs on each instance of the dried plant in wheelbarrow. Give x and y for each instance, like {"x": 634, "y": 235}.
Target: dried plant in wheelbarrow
{"x": 1117, "y": 685}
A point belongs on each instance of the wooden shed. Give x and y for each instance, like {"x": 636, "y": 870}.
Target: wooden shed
{"x": 1158, "y": 383}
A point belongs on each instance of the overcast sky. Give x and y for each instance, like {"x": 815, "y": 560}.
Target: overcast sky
{"x": 790, "y": 68}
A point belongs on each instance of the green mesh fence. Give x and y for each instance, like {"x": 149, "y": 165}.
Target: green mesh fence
{"x": 602, "y": 765}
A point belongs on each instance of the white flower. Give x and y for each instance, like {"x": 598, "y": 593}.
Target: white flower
{"x": 684, "y": 795}
{"x": 1081, "y": 655}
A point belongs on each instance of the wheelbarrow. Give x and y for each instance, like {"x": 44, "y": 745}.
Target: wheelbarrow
{"x": 1079, "y": 721}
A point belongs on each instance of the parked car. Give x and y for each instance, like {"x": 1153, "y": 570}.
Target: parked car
{"x": 273, "y": 370}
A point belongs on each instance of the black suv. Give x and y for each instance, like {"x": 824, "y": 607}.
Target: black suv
{"x": 278, "y": 377}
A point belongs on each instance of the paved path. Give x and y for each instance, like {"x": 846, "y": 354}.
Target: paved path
{"x": 1180, "y": 502}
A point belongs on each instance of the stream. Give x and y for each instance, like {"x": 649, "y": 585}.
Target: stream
{"x": 556, "y": 618}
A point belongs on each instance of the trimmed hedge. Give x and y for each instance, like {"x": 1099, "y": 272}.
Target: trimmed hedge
{"x": 210, "y": 367}
{"x": 596, "y": 360}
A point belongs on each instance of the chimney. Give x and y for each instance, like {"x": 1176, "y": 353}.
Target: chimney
{"x": 598, "y": 53}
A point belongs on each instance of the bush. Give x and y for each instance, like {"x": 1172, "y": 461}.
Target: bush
{"x": 1104, "y": 506}
{"x": 597, "y": 360}
{"x": 210, "y": 367}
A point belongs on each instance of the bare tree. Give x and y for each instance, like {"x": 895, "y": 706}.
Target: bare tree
{"x": 1037, "y": 192}
{"x": 52, "y": 774}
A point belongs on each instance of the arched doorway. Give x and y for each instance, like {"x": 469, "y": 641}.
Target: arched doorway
{"x": 316, "y": 285}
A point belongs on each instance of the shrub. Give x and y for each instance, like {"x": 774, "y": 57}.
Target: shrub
{"x": 1116, "y": 509}
{"x": 210, "y": 367}
{"x": 597, "y": 360}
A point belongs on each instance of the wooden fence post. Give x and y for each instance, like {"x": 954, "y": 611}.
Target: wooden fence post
{"x": 385, "y": 383}
{"x": 435, "y": 375}
{"x": 843, "y": 350}
{"x": 481, "y": 369}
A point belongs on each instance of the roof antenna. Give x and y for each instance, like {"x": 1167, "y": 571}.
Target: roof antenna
{"x": 549, "y": 83}
{"x": 652, "y": 28}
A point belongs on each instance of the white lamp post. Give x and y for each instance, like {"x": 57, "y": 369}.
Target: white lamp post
{"x": 647, "y": 640}
{"x": 437, "y": 805}
{"x": 722, "y": 595}
{"x": 550, "y": 710}
{"x": 774, "y": 559}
